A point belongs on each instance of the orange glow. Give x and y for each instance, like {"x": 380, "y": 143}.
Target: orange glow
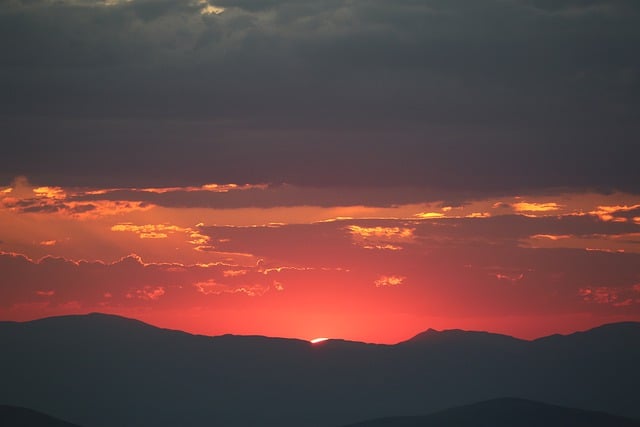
{"x": 366, "y": 273}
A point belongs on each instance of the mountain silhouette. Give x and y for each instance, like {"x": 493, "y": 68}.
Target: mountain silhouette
{"x": 506, "y": 412}
{"x": 13, "y": 416}
{"x": 100, "y": 370}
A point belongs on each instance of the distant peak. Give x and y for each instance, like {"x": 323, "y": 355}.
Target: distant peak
{"x": 93, "y": 318}
{"x": 455, "y": 335}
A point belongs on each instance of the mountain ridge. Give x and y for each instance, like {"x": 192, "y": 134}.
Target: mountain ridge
{"x": 427, "y": 334}
{"x": 76, "y": 367}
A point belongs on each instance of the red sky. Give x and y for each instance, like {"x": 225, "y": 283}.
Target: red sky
{"x": 285, "y": 261}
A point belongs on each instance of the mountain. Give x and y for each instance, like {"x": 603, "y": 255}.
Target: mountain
{"x": 13, "y": 416}
{"x": 102, "y": 371}
{"x": 506, "y": 412}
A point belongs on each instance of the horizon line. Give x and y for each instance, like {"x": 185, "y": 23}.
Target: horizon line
{"x": 324, "y": 339}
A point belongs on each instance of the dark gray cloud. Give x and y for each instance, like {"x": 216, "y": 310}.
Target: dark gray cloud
{"x": 493, "y": 96}
{"x": 272, "y": 196}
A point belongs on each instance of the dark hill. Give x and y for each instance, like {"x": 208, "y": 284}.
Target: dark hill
{"x": 13, "y": 416}
{"x": 506, "y": 412}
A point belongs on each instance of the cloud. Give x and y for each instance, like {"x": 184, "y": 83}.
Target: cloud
{"x": 209, "y": 9}
{"x": 45, "y": 293}
{"x": 211, "y": 287}
{"x": 535, "y": 207}
{"x": 234, "y": 273}
{"x": 384, "y": 238}
{"x": 553, "y": 237}
{"x": 389, "y": 281}
{"x": 147, "y": 293}
{"x": 617, "y": 297}
{"x": 509, "y": 277}
{"x": 616, "y": 213}
{"x": 22, "y": 197}
{"x": 430, "y": 215}
{"x": 128, "y": 282}
{"x": 152, "y": 231}
{"x": 94, "y": 202}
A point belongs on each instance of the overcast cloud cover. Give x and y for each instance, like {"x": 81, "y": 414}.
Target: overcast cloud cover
{"x": 491, "y": 96}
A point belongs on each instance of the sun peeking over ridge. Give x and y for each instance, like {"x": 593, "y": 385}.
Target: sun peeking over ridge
{"x": 318, "y": 340}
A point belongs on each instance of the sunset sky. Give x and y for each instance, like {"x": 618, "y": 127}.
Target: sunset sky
{"x": 358, "y": 169}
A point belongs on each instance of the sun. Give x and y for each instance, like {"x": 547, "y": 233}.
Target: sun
{"x": 318, "y": 340}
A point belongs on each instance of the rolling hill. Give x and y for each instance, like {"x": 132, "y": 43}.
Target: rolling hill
{"x": 506, "y": 412}
{"x": 13, "y": 416}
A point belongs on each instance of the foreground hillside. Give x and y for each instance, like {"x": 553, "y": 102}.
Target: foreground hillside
{"x": 104, "y": 371}
{"x": 13, "y": 416}
{"x": 506, "y": 412}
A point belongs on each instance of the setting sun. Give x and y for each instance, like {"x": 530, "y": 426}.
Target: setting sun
{"x": 318, "y": 340}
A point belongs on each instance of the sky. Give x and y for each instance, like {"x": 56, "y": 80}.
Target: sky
{"x": 358, "y": 169}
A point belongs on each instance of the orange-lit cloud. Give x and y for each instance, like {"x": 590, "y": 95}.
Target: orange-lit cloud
{"x": 234, "y": 273}
{"x": 50, "y": 192}
{"x": 208, "y": 9}
{"x": 429, "y": 215}
{"x": 45, "y": 293}
{"x": 382, "y": 238}
{"x": 478, "y": 215}
{"x": 214, "y": 188}
{"x": 386, "y": 247}
{"x": 600, "y": 295}
{"x": 535, "y": 207}
{"x": 211, "y": 287}
{"x": 147, "y": 293}
{"x": 509, "y": 277}
{"x": 149, "y": 231}
{"x": 551, "y": 236}
{"x": 391, "y": 233}
{"x": 386, "y": 281}
{"x": 613, "y": 213}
